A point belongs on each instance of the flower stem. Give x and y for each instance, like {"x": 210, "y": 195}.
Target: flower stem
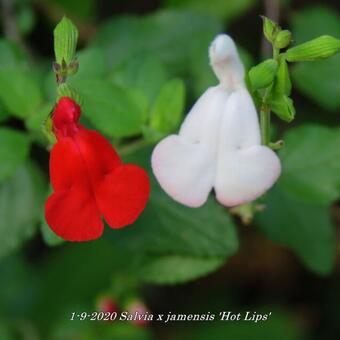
{"x": 265, "y": 110}
{"x": 265, "y": 124}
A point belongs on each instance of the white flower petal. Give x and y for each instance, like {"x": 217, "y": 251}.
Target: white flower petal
{"x": 184, "y": 170}
{"x": 204, "y": 119}
{"x": 226, "y": 62}
{"x": 240, "y": 126}
{"x": 245, "y": 169}
{"x": 244, "y": 175}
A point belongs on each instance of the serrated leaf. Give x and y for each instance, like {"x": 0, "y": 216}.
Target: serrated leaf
{"x": 263, "y": 74}
{"x": 19, "y": 92}
{"x": 65, "y": 41}
{"x": 19, "y": 213}
{"x": 167, "y": 110}
{"x": 14, "y": 151}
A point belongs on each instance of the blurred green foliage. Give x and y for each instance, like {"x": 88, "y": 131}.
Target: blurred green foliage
{"x": 136, "y": 78}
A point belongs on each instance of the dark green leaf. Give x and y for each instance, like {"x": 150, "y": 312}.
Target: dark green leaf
{"x": 21, "y": 199}
{"x": 303, "y": 227}
{"x": 14, "y": 151}
{"x": 311, "y": 164}
{"x": 318, "y": 80}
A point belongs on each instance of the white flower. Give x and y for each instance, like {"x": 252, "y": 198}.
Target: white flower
{"x": 219, "y": 143}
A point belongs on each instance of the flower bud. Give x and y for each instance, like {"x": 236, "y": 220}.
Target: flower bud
{"x": 270, "y": 29}
{"x": 283, "y": 39}
{"x": 263, "y": 74}
{"x": 319, "y": 48}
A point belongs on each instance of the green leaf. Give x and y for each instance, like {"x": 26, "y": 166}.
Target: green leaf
{"x": 311, "y": 164}
{"x": 166, "y": 230}
{"x": 142, "y": 71}
{"x": 19, "y": 213}
{"x": 174, "y": 269}
{"x": 305, "y": 228}
{"x": 19, "y": 92}
{"x": 167, "y": 111}
{"x": 164, "y": 34}
{"x": 65, "y": 41}
{"x": 318, "y": 48}
{"x": 318, "y": 80}
{"x": 92, "y": 62}
{"x": 227, "y": 10}
{"x": 11, "y": 55}
{"x": 14, "y": 151}
{"x": 263, "y": 74}
{"x": 115, "y": 111}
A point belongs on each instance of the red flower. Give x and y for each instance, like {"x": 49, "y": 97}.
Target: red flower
{"x": 89, "y": 180}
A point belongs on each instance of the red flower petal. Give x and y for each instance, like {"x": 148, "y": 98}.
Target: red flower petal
{"x": 71, "y": 211}
{"x": 73, "y": 214}
{"x": 89, "y": 181}
{"x": 123, "y": 195}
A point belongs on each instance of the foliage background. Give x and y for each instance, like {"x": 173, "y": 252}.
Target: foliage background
{"x": 142, "y": 64}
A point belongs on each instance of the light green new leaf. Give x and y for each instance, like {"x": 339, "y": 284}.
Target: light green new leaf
{"x": 19, "y": 213}
{"x": 14, "y": 150}
{"x": 305, "y": 228}
{"x": 19, "y": 92}
{"x": 115, "y": 111}
{"x": 167, "y": 111}
{"x": 311, "y": 164}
